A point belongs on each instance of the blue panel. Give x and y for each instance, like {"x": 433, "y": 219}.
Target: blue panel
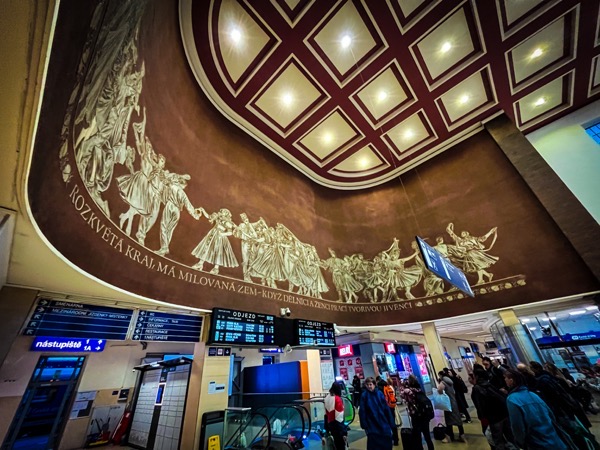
{"x": 57, "y": 344}
{"x": 280, "y": 378}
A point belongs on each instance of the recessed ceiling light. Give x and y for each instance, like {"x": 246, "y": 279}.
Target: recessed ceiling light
{"x": 346, "y": 41}
{"x": 578, "y": 312}
{"x": 363, "y": 162}
{"x": 409, "y": 134}
{"x": 327, "y": 138}
{"x": 547, "y": 319}
{"x": 236, "y": 35}
{"x": 591, "y": 308}
{"x": 525, "y": 320}
{"x": 540, "y": 101}
{"x": 537, "y": 53}
{"x": 463, "y": 99}
{"x": 532, "y": 328}
{"x": 382, "y": 95}
{"x": 446, "y": 46}
{"x": 287, "y": 99}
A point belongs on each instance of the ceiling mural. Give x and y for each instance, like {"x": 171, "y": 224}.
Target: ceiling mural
{"x": 139, "y": 199}
{"x": 353, "y": 93}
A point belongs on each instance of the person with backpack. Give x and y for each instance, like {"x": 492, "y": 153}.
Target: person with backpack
{"x": 460, "y": 389}
{"x": 420, "y": 410}
{"x": 390, "y": 398}
{"x": 490, "y": 404}
{"x": 375, "y": 417}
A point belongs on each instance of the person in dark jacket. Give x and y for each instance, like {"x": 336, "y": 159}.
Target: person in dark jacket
{"x": 491, "y": 405}
{"x": 451, "y": 418}
{"x": 495, "y": 373}
{"x": 357, "y": 391}
{"x": 530, "y": 418}
{"x": 420, "y": 423}
{"x": 375, "y": 417}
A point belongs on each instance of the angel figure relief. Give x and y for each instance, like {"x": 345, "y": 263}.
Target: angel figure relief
{"x": 471, "y": 252}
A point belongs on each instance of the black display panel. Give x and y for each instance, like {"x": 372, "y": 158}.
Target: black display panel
{"x": 158, "y": 326}
{"x": 58, "y": 318}
{"x": 241, "y": 328}
{"x": 313, "y": 333}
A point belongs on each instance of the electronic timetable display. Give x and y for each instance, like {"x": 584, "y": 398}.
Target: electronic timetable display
{"x": 311, "y": 332}
{"x": 241, "y": 328}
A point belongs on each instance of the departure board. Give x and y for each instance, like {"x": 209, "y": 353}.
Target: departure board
{"x": 313, "y": 333}
{"x": 241, "y": 328}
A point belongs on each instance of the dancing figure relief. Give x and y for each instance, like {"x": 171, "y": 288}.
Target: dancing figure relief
{"x": 109, "y": 119}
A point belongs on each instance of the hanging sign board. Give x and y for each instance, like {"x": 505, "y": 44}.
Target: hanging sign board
{"x": 313, "y": 333}
{"x": 78, "y": 320}
{"x": 158, "y": 326}
{"x": 241, "y": 328}
{"x": 57, "y": 344}
{"x": 443, "y": 268}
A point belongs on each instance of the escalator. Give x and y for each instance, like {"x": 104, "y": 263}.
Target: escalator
{"x": 289, "y": 425}
{"x": 246, "y": 430}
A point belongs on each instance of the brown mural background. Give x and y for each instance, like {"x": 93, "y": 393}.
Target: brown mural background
{"x": 472, "y": 185}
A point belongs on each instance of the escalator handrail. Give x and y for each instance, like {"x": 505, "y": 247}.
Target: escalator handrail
{"x": 308, "y": 429}
{"x": 316, "y": 397}
{"x": 242, "y": 427}
{"x": 280, "y": 407}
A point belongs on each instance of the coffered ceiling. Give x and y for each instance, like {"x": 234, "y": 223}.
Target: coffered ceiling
{"x": 355, "y": 92}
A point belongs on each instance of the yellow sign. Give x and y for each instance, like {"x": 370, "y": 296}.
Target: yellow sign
{"x": 214, "y": 442}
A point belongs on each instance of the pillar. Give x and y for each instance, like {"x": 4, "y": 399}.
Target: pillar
{"x": 434, "y": 347}
{"x": 521, "y": 343}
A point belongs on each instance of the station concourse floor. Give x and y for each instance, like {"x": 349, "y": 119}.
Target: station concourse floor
{"x": 475, "y": 440}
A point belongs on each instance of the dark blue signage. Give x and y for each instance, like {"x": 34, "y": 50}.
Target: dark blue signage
{"x": 569, "y": 340}
{"x": 58, "y": 344}
{"x": 271, "y": 350}
{"x": 313, "y": 333}
{"x": 241, "y": 328}
{"x": 59, "y": 318}
{"x": 439, "y": 264}
{"x": 157, "y": 326}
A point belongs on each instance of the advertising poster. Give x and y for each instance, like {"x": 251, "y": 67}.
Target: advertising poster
{"x": 359, "y": 371}
{"x": 344, "y": 374}
{"x": 327, "y": 374}
{"x": 423, "y": 368}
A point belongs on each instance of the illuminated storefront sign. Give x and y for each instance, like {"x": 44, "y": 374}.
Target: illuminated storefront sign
{"x": 390, "y": 347}
{"x": 345, "y": 350}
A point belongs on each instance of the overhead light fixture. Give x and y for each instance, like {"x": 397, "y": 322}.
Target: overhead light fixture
{"x": 363, "y": 162}
{"x": 578, "y": 312}
{"x": 548, "y": 319}
{"x": 525, "y": 320}
{"x": 236, "y": 35}
{"x": 346, "y": 41}
{"x": 446, "y": 46}
{"x": 327, "y": 138}
{"x": 540, "y": 101}
{"x": 591, "y": 308}
{"x": 532, "y": 328}
{"x": 287, "y": 99}
{"x": 382, "y": 95}
{"x": 409, "y": 134}
{"x": 464, "y": 99}
{"x": 537, "y": 53}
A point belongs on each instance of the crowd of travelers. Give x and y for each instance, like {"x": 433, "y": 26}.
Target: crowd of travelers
{"x": 532, "y": 406}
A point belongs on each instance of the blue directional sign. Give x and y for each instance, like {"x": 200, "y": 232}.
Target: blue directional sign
{"x": 157, "y": 326}
{"x": 58, "y": 344}
{"x": 443, "y": 268}
{"x": 59, "y": 318}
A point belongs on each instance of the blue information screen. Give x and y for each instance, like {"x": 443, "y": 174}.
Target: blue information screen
{"x": 439, "y": 264}
{"x": 59, "y": 318}
{"x": 241, "y": 328}
{"x": 313, "y": 333}
{"x": 158, "y": 326}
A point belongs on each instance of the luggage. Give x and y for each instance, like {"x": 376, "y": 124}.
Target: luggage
{"x": 439, "y": 432}
{"x": 410, "y": 441}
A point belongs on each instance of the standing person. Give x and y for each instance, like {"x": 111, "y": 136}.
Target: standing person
{"x": 357, "y": 387}
{"x": 495, "y": 373}
{"x": 491, "y": 405}
{"x": 390, "y": 398}
{"x": 334, "y": 416}
{"x": 420, "y": 410}
{"x": 452, "y": 418}
{"x": 530, "y": 418}
{"x": 460, "y": 389}
{"x": 375, "y": 417}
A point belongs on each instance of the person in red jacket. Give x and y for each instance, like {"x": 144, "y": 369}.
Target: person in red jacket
{"x": 334, "y": 416}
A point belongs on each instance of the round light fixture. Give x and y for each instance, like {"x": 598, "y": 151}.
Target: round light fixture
{"x": 446, "y": 47}
{"x": 537, "y": 53}
{"x": 236, "y": 35}
{"x": 346, "y": 41}
{"x": 540, "y": 101}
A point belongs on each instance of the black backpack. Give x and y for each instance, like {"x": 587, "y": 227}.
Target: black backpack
{"x": 423, "y": 407}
